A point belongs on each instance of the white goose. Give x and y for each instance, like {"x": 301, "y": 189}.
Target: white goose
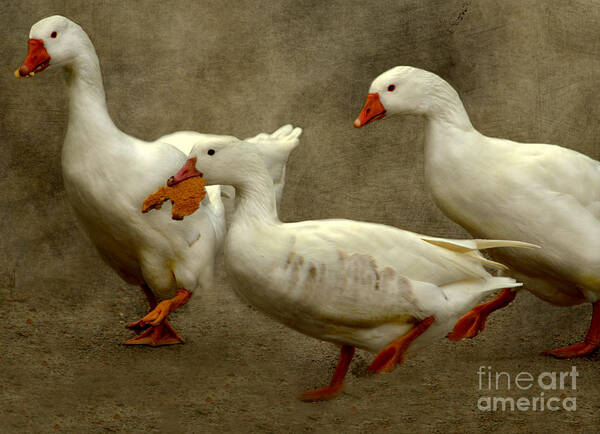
{"x": 351, "y": 283}
{"x": 107, "y": 175}
{"x": 497, "y": 188}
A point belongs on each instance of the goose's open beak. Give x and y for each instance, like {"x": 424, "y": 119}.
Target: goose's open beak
{"x": 37, "y": 59}
{"x": 187, "y": 171}
{"x": 372, "y": 111}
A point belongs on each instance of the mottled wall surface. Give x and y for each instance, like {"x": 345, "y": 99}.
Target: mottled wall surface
{"x": 526, "y": 70}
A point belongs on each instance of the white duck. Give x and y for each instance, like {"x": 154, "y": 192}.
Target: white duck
{"x": 107, "y": 175}
{"x": 351, "y": 283}
{"x": 544, "y": 194}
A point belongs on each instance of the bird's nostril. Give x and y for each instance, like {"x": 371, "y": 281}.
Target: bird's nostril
{"x": 368, "y": 110}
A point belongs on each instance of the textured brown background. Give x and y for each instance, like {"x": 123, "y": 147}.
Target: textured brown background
{"x": 526, "y": 70}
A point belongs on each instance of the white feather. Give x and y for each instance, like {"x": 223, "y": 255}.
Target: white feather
{"x": 347, "y": 282}
{"x": 108, "y": 174}
{"x": 542, "y": 194}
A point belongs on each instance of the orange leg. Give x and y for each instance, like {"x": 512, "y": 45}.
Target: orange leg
{"x": 589, "y": 344}
{"x": 473, "y": 322}
{"x": 337, "y": 381}
{"x": 151, "y": 301}
{"x": 392, "y": 355}
{"x": 154, "y": 329}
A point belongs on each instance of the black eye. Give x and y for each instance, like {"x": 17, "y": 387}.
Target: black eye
{"x": 211, "y": 152}
{"x": 53, "y": 34}
{"x": 391, "y": 88}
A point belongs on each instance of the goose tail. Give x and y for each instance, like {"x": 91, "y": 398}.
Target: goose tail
{"x": 462, "y": 296}
{"x": 478, "y": 287}
{"x": 464, "y": 246}
{"x": 281, "y": 141}
{"x": 275, "y": 149}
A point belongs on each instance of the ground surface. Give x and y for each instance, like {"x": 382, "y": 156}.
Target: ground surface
{"x": 527, "y": 70}
{"x": 63, "y": 369}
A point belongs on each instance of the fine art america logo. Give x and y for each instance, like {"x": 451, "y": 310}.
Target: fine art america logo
{"x": 547, "y": 391}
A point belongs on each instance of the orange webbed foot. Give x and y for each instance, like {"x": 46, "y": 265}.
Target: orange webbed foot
{"x": 337, "y": 381}
{"x": 162, "y": 334}
{"x": 572, "y": 351}
{"x": 469, "y": 325}
{"x": 473, "y": 322}
{"x": 154, "y": 328}
{"x": 387, "y": 359}
{"x": 590, "y": 344}
{"x": 322, "y": 394}
{"x": 393, "y": 355}
{"x": 153, "y": 318}
{"x": 158, "y": 315}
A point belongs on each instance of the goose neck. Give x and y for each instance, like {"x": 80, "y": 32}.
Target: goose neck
{"x": 444, "y": 106}
{"x": 255, "y": 198}
{"x": 87, "y": 100}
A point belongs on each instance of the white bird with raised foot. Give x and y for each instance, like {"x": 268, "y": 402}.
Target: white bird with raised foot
{"x": 107, "y": 174}
{"x": 497, "y": 188}
{"x": 355, "y": 284}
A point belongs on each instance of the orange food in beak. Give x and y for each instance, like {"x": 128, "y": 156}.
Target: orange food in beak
{"x": 372, "y": 111}
{"x": 187, "y": 171}
{"x": 185, "y": 197}
{"x": 37, "y": 59}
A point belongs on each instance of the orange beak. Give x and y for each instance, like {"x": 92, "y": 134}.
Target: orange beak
{"x": 37, "y": 59}
{"x": 187, "y": 171}
{"x": 372, "y": 111}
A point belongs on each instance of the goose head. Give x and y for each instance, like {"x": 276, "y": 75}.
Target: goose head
{"x": 53, "y": 41}
{"x": 402, "y": 89}
{"x": 221, "y": 164}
